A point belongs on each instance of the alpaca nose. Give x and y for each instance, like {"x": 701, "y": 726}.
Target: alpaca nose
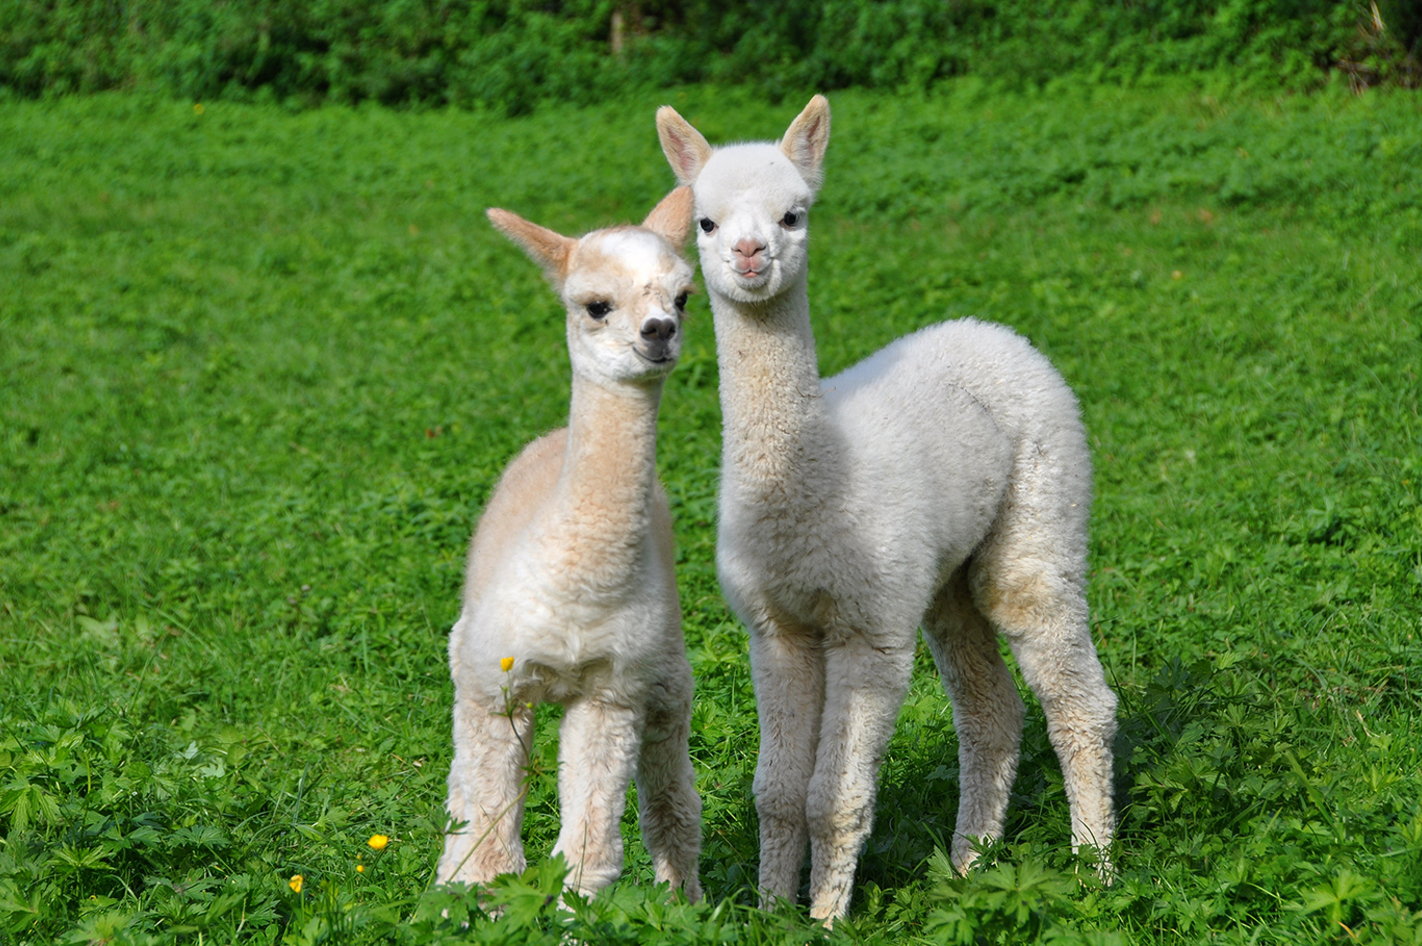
{"x": 657, "y": 335}
{"x": 749, "y": 248}
{"x": 658, "y": 329}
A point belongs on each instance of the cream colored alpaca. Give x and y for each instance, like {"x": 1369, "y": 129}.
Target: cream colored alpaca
{"x": 571, "y": 575}
{"x": 944, "y": 481}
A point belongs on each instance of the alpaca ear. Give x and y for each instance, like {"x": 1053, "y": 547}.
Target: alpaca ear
{"x": 548, "y": 249}
{"x": 807, "y": 138}
{"x": 683, "y": 145}
{"x": 671, "y": 219}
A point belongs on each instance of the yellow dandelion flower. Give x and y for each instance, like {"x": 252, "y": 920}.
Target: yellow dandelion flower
{"x": 507, "y": 664}
{"x": 360, "y": 868}
{"x": 378, "y": 841}
{"x": 295, "y": 883}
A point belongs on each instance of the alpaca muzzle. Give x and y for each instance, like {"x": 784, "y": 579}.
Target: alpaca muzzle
{"x": 658, "y": 339}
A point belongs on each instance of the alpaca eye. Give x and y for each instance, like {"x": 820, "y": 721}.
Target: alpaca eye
{"x": 790, "y": 219}
{"x": 681, "y": 301}
{"x": 598, "y": 310}
{"x": 707, "y": 225}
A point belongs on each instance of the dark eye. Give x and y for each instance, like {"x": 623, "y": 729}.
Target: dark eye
{"x": 707, "y": 225}
{"x": 598, "y": 310}
{"x": 790, "y": 219}
{"x": 681, "y": 301}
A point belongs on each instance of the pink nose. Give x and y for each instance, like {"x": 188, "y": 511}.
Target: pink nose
{"x": 749, "y": 248}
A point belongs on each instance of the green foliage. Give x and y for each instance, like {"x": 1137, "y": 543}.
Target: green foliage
{"x": 259, "y": 369}
{"x": 1003, "y": 904}
{"x": 510, "y": 55}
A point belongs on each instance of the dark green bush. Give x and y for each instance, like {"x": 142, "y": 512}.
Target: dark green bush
{"x": 511, "y": 54}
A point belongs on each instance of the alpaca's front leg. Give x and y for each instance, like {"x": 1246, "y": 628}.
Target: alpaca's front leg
{"x": 486, "y": 793}
{"x": 864, "y": 688}
{"x": 597, "y": 754}
{"x": 666, "y": 784}
{"x": 787, "y": 667}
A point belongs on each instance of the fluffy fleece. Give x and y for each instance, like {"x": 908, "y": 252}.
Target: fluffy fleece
{"x": 571, "y": 575}
{"x": 944, "y": 482}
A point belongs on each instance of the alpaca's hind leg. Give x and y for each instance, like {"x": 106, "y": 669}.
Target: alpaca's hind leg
{"x": 788, "y": 671}
{"x": 597, "y": 753}
{"x": 987, "y": 714}
{"x": 666, "y": 785}
{"x": 1041, "y": 609}
{"x": 865, "y": 683}
{"x": 486, "y": 794}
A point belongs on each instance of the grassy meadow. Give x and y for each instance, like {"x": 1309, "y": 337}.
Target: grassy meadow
{"x": 259, "y": 369}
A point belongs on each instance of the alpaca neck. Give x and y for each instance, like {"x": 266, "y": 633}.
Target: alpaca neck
{"x": 609, "y": 466}
{"x": 771, "y": 407}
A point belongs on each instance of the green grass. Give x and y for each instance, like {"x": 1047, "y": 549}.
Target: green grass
{"x": 258, "y": 371}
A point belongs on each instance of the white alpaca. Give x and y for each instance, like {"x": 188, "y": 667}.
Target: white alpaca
{"x": 944, "y": 480}
{"x": 571, "y": 575}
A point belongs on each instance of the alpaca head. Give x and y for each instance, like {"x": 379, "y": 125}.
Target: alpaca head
{"x": 624, "y": 289}
{"x": 752, "y": 201}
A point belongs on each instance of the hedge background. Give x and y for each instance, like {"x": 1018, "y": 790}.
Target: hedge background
{"x": 509, "y": 55}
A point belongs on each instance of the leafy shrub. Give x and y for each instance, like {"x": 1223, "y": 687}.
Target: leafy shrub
{"x": 509, "y": 55}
